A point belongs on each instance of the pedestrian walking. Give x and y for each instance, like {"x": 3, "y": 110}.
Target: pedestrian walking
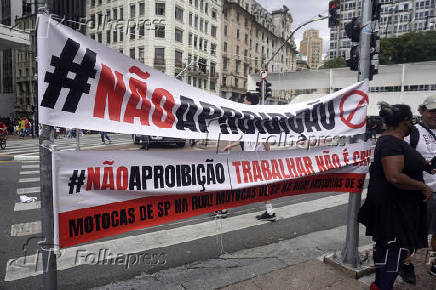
{"x": 104, "y": 135}
{"x": 394, "y": 211}
{"x": 252, "y": 99}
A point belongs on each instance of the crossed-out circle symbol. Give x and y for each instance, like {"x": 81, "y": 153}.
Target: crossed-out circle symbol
{"x": 347, "y": 120}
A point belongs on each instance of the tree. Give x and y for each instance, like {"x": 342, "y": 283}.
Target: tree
{"x": 409, "y": 47}
{"x": 335, "y": 63}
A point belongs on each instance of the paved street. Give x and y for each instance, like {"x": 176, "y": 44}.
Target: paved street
{"x": 171, "y": 245}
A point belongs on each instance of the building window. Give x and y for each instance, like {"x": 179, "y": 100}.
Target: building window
{"x": 121, "y": 33}
{"x": 190, "y": 19}
{"x": 212, "y": 68}
{"x": 179, "y": 14}
{"x": 212, "y": 86}
{"x": 160, "y": 8}
{"x": 179, "y": 35}
{"x": 206, "y": 26}
{"x": 201, "y": 24}
{"x": 195, "y": 41}
{"x": 224, "y": 81}
{"x": 189, "y": 80}
{"x": 194, "y": 81}
{"x": 115, "y": 14}
{"x": 212, "y": 48}
{"x": 225, "y": 47}
{"x": 141, "y": 54}
{"x": 196, "y": 21}
{"x": 132, "y": 11}
{"x": 142, "y": 30}
{"x": 160, "y": 31}
{"x": 99, "y": 37}
{"x": 206, "y": 8}
{"x": 213, "y": 31}
{"x": 237, "y": 34}
{"x": 225, "y": 30}
{"x": 115, "y": 36}
{"x": 132, "y": 53}
{"x": 190, "y": 39}
{"x": 132, "y": 32}
{"x": 108, "y": 36}
{"x": 213, "y": 13}
{"x": 178, "y": 58}
{"x": 159, "y": 56}
{"x": 200, "y": 43}
{"x": 121, "y": 13}
{"x": 141, "y": 9}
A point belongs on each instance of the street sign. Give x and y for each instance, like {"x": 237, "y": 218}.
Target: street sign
{"x": 263, "y": 74}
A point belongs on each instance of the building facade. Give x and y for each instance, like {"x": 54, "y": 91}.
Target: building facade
{"x": 25, "y": 67}
{"x": 250, "y": 36}
{"x": 311, "y": 46}
{"x": 167, "y": 35}
{"x": 397, "y": 17}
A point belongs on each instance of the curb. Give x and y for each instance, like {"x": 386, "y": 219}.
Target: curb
{"x": 5, "y": 157}
{"x": 26, "y": 158}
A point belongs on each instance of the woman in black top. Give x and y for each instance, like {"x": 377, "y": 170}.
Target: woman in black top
{"x": 394, "y": 211}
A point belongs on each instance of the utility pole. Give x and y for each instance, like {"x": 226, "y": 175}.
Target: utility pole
{"x": 350, "y": 253}
{"x": 46, "y": 140}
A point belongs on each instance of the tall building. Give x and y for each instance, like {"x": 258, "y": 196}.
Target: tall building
{"x": 397, "y": 17}
{"x": 167, "y": 35}
{"x": 9, "y": 10}
{"x": 311, "y": 46}
{"x": 250, "y": 36}
{"x": 25, "y": 66}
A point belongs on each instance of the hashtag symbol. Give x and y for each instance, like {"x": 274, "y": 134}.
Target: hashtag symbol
{"x": 59, "y": 78}
{"x": 76, "y": 181}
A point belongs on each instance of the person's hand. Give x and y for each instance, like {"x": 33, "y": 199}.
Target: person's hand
{"x": 428, "y": 192}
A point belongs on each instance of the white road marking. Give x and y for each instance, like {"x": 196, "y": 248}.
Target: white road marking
{"x": 19, "y": 206}
{"x": 30, "y": 166}
{"x": 28, "y": 190}
{"x": 32, "y": 179}
{"x": 71, "y": 257}
{"x": 29, "y": 172}
{"x": 26, "y": 229}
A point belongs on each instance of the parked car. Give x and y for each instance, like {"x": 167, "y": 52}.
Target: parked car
{"x": 147, "y": 140}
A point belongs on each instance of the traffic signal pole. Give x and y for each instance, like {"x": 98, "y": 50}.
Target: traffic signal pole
{"x": 350, "y": 253}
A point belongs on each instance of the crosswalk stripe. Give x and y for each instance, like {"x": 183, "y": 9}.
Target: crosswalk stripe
{"x": 28, "y": 190}
{"x": 17, "y": 269}
{"x": 32, "y": 179}
{"x": 26, "y": 229}
{"x": 29, "y": 172}
{"x": 30, "y": 166}
{"x": 20, "y": 206}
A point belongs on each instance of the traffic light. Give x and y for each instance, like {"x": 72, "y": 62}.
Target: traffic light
{"x": 374, "y": 55}
{"x": 268, "y": 90}
{"x": 376, "y": 10}
{"x": 352, "y": 29}
{"x": 259, "y": 87}
{"x": 334, "y": 13}
{"x": 353, "y": 60}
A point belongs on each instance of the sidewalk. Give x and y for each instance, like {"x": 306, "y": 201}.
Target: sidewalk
{"x": 289, "y": 264}
{"x": 314, "y": 274}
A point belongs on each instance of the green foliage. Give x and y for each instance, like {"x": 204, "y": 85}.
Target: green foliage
{"x": 409, "y": 47}
{"x": 335, "y": 63}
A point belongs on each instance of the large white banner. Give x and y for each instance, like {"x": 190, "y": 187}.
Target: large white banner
{"x": 84, "y": 84}
{"x": 97, "y": 194}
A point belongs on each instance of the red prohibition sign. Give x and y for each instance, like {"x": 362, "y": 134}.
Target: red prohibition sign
{"x": 347, "y": 121}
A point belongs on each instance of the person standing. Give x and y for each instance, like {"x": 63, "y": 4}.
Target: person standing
{"x": 394, "y": 212}
{"x": 103, "y": 135}
{"x": 252, "y": 99}
{"x": 423, "y": 139}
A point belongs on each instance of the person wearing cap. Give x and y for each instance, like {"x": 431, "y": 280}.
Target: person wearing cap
{"x": 423, "y": 139}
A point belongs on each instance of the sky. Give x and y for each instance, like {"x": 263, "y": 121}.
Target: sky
{"x": 302, "y": 10}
